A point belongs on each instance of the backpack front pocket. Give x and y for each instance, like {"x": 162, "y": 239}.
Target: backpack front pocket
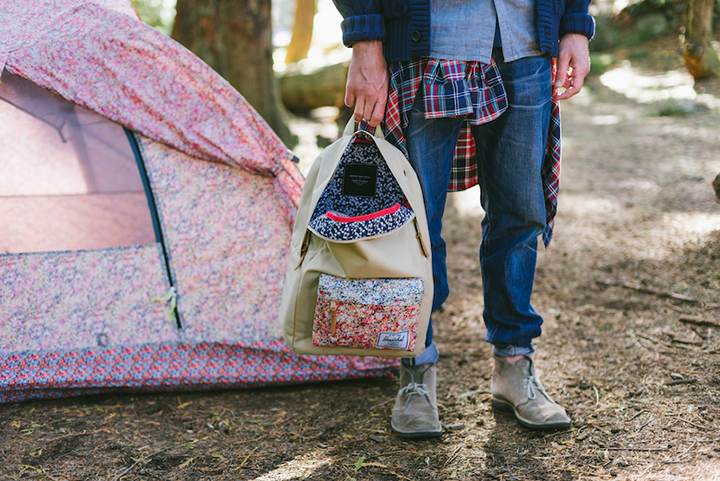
{"x": 367, "y": 313}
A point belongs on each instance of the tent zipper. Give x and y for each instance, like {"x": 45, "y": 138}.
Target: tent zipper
{"x": 174, "y": 314}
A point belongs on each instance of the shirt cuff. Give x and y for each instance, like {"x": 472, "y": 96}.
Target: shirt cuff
{"x": 363, "y": 27}
{"x": 581, "y": 23}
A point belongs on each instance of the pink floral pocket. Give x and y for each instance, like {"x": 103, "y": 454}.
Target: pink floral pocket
{"x": 367, "y": 313}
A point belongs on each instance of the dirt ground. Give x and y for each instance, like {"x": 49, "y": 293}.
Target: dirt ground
{"x": 629, "y": 290}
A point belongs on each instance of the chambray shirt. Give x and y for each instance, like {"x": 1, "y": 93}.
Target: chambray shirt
{"x": 465, "y": 29}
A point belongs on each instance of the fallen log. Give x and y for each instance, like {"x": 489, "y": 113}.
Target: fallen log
{"x": 305, "y": 91}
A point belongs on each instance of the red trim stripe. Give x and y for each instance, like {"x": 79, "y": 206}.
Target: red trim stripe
{"x": 374, "y": 215}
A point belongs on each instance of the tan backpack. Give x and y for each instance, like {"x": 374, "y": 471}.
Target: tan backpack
{"x": 359, "y": 281}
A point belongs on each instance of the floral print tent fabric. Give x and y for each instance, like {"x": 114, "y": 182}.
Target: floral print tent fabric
{"x": 140, "y": 79}
{"x": 225, "y": 191}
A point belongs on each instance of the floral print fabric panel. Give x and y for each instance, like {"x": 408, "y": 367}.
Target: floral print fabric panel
{"x": 367, "y": 313}
{"x": 167, "y": 367}
{"x": 228, "y": 242}
{"x": 83, "y": 299}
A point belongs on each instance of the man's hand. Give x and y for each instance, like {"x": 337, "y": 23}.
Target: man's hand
{"x": 572, "y": 66}
{"x": 367, "y": 83}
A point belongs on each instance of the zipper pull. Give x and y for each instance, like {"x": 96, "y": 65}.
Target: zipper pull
{"x": 419, "y": 238}
{"x": 333, "y": 315}
{"x": 170, "y": 297}
{"x": 304, "y": 249}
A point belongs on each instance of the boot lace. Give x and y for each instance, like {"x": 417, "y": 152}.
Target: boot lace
{"x": 415, "y": 388}
{"x": 533, "y": 384}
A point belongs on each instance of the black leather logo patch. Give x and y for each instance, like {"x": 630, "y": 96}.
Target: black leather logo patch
{"x": 360, "y": 180}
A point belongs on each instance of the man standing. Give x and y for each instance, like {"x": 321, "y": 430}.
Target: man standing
{"x": 465, "y": 88}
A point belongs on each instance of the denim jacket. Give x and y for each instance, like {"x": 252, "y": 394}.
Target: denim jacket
{"x": 404, "y": 25}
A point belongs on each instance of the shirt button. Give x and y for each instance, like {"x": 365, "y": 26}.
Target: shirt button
{"x": 415, "y": 36}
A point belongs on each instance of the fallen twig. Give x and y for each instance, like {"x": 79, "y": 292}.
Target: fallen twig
{"x": 693, "y": 424}
{"x": 648, "y": 450}
{"x": 660, "y": 341}
{"x": 675, "y": 308}
{"x": 637, "y": 414}
{"x": 653, "y": 339}
{"x": 583, "y": 436}
{"x": 472, "y": 393}
{"x": 658, "y": 292}
{"x": 655, "y": 461}
{"x": 649, "y": 290}
{"x": 245, "y": 460}
{"x": 691, "y": 380}
{"x": 258, "y": 439}
{"x": 127, "y": 470}
{"x": 547, "y": 435}
{"x": 695, "y": 342}
{"x": 698, "y": 321}
{"x": 392, "y": 473}
{"x": 382, "y": 404}
{"x": 187, "y": 462}
{"x": 414, "y": 453}
{"x": 698, "y": 333}
{"x": 46, "y": 474}
{"x": 643, "y": 426}
{"x": 594, "y": 426}
{"x": 452, "y": 456}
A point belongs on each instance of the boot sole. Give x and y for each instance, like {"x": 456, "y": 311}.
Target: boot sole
{"x": 501, "y": 405}
{"x": 416, "y": 434}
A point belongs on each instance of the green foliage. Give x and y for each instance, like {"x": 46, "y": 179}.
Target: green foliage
{"x": 602, "y": 62}
{"x": 607, "y": 33}
{"x": 680, "y": 108}
{"x": 672, "y": 9}
{"x": 643, "y": 21}
{"x": 626, "y": 30}
{"x": 159, "y": 14}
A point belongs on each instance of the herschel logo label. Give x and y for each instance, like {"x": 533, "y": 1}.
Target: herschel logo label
{"x": 360, "y": 180}
{"x": 393, "y": 340}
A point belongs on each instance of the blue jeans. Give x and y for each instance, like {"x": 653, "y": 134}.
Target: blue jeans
{"x": 510, "y": 155}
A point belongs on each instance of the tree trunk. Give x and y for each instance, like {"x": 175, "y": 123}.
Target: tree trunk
{"x": 323, "y": 87}
{"x": 234, "y": 37}
{"x": 700, "y": 57}
{"x": 302, "y": 31}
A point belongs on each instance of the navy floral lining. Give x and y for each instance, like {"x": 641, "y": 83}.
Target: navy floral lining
{"x": 351, "y": 231}
{"x": 388, "y": 193}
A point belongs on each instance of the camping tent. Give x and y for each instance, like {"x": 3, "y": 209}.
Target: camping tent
{"x": 145, "y": 215}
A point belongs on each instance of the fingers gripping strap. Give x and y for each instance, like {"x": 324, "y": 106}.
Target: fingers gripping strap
{"x": 353, "y": 128}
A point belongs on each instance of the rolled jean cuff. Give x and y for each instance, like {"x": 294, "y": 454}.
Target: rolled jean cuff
{"x": 429, "y": 356}
{"x": 510, "y": 351}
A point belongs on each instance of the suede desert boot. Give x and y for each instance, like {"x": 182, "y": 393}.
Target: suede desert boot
{"x": 515, "y": 388}
{"x": 415, "y": 414}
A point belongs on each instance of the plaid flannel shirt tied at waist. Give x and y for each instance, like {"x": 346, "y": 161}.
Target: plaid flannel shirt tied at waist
{"x": 473, "y": 90}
